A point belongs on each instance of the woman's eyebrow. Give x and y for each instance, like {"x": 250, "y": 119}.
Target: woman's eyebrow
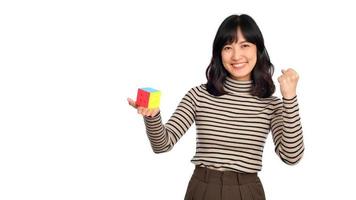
{"x": 238, "y": 43}
{"x": 243, "y": 42}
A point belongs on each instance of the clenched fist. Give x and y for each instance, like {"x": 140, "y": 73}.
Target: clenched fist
{"x": 288, "y": 83}
{"x": 146, "y": 112}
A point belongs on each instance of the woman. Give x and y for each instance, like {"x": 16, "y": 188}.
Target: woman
{"x": 234, "y": 112}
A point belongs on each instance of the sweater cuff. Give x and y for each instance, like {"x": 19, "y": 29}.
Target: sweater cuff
{"x": 289, "y": 100}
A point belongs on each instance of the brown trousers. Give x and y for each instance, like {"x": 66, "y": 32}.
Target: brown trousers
{"x": 209, "y": 184}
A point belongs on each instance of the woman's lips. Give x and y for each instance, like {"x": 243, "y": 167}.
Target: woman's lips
{"x": 239, "y": 65}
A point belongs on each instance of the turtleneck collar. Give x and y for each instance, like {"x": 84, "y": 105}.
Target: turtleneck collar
{"x": 235, "y": 86}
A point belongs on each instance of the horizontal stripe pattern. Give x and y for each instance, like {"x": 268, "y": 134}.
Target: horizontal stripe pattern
{"x": 232, "y": 128}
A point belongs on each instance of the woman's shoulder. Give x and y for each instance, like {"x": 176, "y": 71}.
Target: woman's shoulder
{"x": 197, "y": 91}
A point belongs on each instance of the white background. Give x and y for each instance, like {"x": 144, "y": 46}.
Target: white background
{"x": 67, "y": 67}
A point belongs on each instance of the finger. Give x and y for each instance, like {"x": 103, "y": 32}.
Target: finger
{"x": 292, "y": 74}
{"x": 148, "y": 112}
{"x": 280, "y": 79}
{"x": 152, "y": 112}
{"x": 291, "y": 71}
{"x": 145, "y": 111}
{"x": 131, "y": 102}
{"x": 139, "y": 110}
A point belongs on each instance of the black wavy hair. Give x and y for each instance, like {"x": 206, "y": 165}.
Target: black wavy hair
{"x": 262, "y": 83}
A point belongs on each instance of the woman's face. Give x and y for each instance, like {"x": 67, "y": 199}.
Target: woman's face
{"x": 239, "y": 58}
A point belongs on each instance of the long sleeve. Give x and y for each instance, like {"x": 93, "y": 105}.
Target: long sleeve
{"x": 164, "y": 136}
{"x": 287, "y": 130}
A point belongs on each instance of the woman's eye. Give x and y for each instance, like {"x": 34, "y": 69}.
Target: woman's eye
{"x": 227, "y": 48}
{"x": 245, "y": 45}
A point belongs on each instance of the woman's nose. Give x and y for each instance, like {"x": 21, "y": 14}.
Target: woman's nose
{"x": 236, "y": 55}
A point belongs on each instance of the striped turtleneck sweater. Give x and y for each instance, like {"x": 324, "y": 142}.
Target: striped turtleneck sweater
{"x": 231, "y": 129}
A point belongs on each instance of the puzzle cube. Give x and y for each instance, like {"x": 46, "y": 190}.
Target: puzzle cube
{"x": 148, "y": 97}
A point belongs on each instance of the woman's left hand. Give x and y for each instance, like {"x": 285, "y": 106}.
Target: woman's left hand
{"x": 288, "y": 83}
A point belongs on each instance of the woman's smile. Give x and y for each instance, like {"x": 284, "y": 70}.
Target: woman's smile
{"x": 239, "y": 65}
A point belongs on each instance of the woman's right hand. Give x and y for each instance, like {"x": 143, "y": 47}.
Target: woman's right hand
{"x": 146, "y": 112}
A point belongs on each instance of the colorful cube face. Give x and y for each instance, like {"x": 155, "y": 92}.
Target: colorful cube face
{"x": 148, "y": 97}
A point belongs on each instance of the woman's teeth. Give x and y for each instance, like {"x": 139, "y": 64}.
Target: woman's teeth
{"x": 239, "y": 65}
